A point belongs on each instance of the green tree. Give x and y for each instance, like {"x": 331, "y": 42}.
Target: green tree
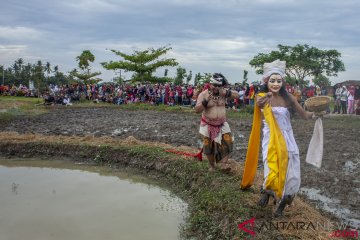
{"x": 322, "y": 81}
{"x": 84, "y": 60}
{"x": 17, "y": 74}
{"x": 86, "y": 76}
{"x": 180, "y": 75}
{"x": 245, "y": 77}
{"x": 47, "y": 69}
{"x": 143, "y": 64}
{"x": 59, "y": 78}
{"x": 205, "y": 78}
{"x": 27, "y": 73}
{"x": 38, "y": 76}
{"x": 197, "y": 79}
{"x": 188, "y": 78}
{"x": 17, "y": 70}
{"x": 2, "y": 70}
{"x": 72, "y": 77}
{"x": 9, "y": 76}
{"x": 21, "y": 72}
{"x": 302, "y": 61}
{"x": 293, "y": 81}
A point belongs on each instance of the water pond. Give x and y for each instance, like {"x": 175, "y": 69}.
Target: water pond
{"x": 49, "y": 200}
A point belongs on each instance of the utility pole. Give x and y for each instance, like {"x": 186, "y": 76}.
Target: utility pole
{"x": 119, "y": 74}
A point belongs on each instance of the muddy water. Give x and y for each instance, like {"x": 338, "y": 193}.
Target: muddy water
{"x": 47, "y": 200}
{"x": 333, "y": 206}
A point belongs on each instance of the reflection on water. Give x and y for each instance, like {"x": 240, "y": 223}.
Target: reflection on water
{"x": 41, "y": 202}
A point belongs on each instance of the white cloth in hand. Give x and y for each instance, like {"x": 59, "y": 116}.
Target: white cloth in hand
{"x": 315, "y": 151}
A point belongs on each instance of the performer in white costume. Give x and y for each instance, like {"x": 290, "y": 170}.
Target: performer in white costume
{"x": 279, "y": 149}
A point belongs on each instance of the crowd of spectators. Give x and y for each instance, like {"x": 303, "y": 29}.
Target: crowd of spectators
{"x": 21, "y": 90}
{"x": 155, "y": 94}
{"x": 346, "y": 99}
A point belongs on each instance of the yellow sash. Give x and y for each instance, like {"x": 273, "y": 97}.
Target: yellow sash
{"x": 277, "y": 153}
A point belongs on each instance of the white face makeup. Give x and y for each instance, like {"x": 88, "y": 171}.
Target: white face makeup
{"x": 275, "y": 82}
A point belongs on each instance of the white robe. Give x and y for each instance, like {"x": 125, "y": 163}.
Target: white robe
{"x": 282, "y": 117}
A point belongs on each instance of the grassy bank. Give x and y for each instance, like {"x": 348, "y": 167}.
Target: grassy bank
{"x": 216, "y": 204}
{"x": 14, "y": 107}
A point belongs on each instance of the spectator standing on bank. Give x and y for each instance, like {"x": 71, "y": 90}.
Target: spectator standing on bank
{"x": 351, "y": 100}
{"x": 337, "y": 107}
{"x": 343, "y": 99}
{"x": 357, "y": 100}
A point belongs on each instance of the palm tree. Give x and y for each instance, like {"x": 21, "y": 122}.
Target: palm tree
{"x": 20, "y": 62}
{"x": 18, "y": 68}
{"x": 47, "y": 69}
{"x": 3, "y": 74}
{"x": 38, "y": 74}
{"x": 26, "y": 73}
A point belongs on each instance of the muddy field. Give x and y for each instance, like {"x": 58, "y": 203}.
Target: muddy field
{"x": 335, "y": 187}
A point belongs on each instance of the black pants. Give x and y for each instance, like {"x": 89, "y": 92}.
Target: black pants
{"x": 343, "y": 107}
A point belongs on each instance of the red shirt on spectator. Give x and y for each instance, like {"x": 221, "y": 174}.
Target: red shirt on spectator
{"x": 179, "y": 91}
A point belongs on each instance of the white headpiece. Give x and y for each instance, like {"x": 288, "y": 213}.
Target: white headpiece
{"x": 276, "y": 66}
{"x": 218, "y": 79}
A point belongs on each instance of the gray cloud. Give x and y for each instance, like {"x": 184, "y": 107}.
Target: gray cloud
{"x": 206, "y": 36}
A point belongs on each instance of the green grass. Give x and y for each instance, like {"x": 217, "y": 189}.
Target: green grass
{"x": 242, "y": 113}
{"x": 14, "y": 107}
{"x": 30, "y": 100}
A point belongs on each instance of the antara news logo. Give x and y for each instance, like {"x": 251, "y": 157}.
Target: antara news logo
{"x": 343, "y": 230}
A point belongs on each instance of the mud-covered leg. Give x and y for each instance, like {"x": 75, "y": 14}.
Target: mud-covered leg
{"x": 286, "y": 200}
{"x": 265, "y": 197}
{"x": 211, "y": 162}
{"x": 264, "y": 200}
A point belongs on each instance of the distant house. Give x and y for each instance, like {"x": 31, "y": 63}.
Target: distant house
{"x": 351, "y": 83}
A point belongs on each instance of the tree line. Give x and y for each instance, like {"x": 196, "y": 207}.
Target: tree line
{"x": 302, "y": 61}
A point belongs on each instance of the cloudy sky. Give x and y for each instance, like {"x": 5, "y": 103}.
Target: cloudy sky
{"x": 205, "y": 36}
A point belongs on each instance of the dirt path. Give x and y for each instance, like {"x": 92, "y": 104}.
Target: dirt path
{"x": 335, "y": 187}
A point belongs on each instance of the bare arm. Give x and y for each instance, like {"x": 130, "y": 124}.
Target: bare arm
{"x": 297, "y": 107}
{"x": 229, "y": 93}
{"x": 201, "y": 102}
